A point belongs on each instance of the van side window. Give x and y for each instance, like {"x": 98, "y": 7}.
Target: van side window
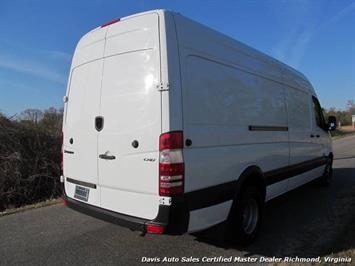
{"x": 318, "y": 113}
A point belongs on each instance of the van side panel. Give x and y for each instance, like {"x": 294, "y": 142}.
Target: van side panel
{"x": 302, "y": 147}
{"x": 220, "y": 103}
{"x": 202, "y": 218}
{"x": 226, "y": 92}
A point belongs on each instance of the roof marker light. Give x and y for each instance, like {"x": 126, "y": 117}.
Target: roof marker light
{"x": 110, "y": 22}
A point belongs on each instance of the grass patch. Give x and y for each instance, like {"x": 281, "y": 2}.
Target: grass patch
{"x": 31, "y": 206}
{"x": 343, "y": 132}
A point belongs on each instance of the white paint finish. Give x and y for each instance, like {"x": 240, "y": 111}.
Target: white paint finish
{"x": 196, "y": 36}
{"x": 138, "y": 33}
{"x": 128, "y": 171}
{"x": 131, "y": 107}
{"x": 205, "y": 167}
{"x": 96, "y": 35}
{"x": 207, "y": 217}
{"x": 130, "y": 202}
{"x": 84, "y": 95}
{"x": 237, "y": 98}
{"x": 275, "y": 190}
{"x": 171, "y": 98}
{"x": 296, "y": 80}
{"x": 82, "y": 108}
{"x": 130, "y": 102}
{"x": 299, "y": 107}
{"x": 220, "y": 102}
{"x": 222, "y": 87}
{"x": 304, "y": 178}
{"x": 90, "y": 47}
{"x": 299, "y": 110}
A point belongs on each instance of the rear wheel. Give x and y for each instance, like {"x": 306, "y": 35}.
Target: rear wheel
{"x": 245, "y": 217}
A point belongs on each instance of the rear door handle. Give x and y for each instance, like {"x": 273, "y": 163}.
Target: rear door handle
{"x": 107, "y": 157}
{"x": 317, "y": 136}
{"x": 312, "y": 136}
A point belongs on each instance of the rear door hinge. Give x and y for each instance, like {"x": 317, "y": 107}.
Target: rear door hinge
{"x": 163, "y": 86}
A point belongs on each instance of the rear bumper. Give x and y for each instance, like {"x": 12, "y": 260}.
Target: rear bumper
{"x": 174, "y": 217}
{"x": 106, "y": 215}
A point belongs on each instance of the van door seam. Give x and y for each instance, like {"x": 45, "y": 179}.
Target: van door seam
{"x": 180, "y": 70}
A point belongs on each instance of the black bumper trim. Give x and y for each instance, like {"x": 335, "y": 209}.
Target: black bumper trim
{"x": 289, "y": 171}
{"x": 174, "y": 218}
{"x": 81, "y": 183}
{"x": 210, "y": 196}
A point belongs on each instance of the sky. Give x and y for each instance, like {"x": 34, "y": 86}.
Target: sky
{"x": 38, "y": 38}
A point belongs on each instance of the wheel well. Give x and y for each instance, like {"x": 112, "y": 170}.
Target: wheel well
{"x": 256, "y": 181}
{"x": 252, "y": 176}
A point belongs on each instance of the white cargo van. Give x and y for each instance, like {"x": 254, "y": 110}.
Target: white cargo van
{"x": 171, "y": 127}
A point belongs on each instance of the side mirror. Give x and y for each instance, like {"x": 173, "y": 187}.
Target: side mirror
{"x": 332, "y": 123}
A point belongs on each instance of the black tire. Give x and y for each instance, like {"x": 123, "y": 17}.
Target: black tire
{"x": 240, "y": 229}
{"x": 327, "y": 176}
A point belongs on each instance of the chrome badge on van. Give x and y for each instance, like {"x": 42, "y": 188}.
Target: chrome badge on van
{"x": 149, "y": 159}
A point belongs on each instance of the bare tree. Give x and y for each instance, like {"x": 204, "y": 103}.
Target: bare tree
{"x": 351, "y": 106}
{"x": 31, "y": 115}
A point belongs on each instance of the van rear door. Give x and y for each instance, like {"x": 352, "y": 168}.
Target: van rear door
{"x": 80, "y": 135}
{"x": 131, "y": 109}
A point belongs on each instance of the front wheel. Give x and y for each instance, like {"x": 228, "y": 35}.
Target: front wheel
{"x": 245, "y": 218}
{"x": 327, "y": 176}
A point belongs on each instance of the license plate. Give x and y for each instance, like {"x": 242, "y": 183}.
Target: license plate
{"x": 81, "y": 193}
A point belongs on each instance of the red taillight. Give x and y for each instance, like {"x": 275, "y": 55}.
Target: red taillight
{"x": 172, "y": 140}
{"x": 171, "y": 169}
{"x": 171, "y": 164}
{"x": 110, "y": 22}
{"x": 171, "y": 191}
{"x": 155, "y": 229}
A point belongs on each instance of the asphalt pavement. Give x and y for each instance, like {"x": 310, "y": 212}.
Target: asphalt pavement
{"x": 309, "y": 221}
